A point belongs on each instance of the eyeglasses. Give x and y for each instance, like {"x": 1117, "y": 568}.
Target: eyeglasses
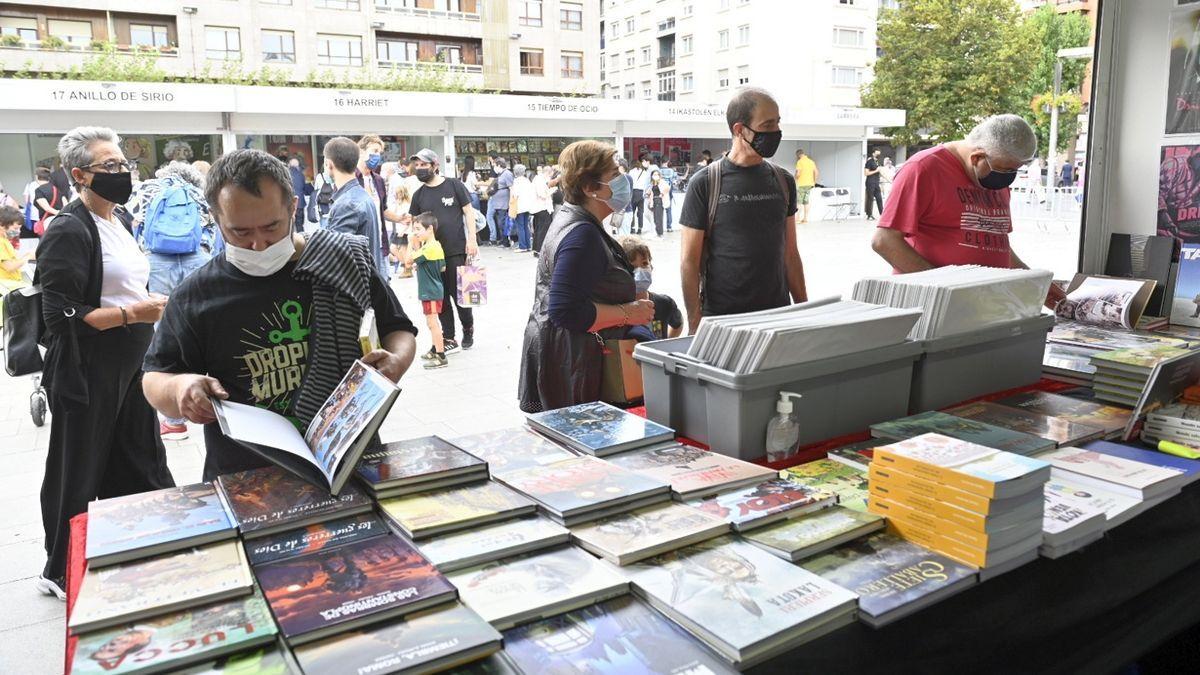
{"x": 111, "y": 166}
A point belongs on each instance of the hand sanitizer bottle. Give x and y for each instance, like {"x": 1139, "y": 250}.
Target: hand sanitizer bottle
{"x": 783, "y": 432}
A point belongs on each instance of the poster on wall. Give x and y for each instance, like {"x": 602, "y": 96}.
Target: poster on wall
{"x": 1179, "y": 192}
{"x": 1183, "y": 82}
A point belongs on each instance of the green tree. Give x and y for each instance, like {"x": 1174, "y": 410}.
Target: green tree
{"x": 949, "y": 63}
{"x": 1050, "y": 31}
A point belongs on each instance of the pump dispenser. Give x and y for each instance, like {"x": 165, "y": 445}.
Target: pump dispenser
{"x": 783, "y": 432}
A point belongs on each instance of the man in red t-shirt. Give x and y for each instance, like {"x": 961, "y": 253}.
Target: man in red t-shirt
{"x": 949, "y": 205}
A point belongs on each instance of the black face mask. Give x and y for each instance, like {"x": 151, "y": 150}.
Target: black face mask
{"x": 424, "y": 175}
{"x": 996, "y": 180}
{"x": 112, "y": 187}
{"x": 765, "y": 143}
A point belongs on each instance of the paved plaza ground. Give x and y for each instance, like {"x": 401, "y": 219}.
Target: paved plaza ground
{"x": 477, "y": 392}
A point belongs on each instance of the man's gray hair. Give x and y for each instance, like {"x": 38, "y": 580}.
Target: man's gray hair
{"x": 518, "y": 170}
{"x": 183, "y": 171}
{"x": 1004, "y": 137}
{"x": 244, "y": 169}
{"x": 75, "y": 147}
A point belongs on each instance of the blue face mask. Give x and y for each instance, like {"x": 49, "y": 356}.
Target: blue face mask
{"x": 622, "y": 193}
{"x": 641, "y": 279}
{"x": 374, "y": 161}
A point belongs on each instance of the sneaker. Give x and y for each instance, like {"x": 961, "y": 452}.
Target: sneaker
{"x": 438, "y": 361}
{"x": 172, "y": 432}
{"x": 52, "y": 587}
{"x": 451, "y": 345}
{"x": 468, "y": 340}
{"x": 428, "y": 356}
{"x": 406, "y": 274}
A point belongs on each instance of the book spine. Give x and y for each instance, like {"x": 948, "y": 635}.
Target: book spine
{"x": 893, "y": 511}
{"x": 930, "y": 489}
{"x": 929, "y": 506}
{"x": 936, "y": 542}
{"x": 967, "y": 483}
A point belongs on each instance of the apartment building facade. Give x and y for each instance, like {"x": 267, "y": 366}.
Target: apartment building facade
{"x": 520, "y": 46}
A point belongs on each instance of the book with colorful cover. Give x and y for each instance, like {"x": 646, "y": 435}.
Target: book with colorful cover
{"x": 428, "y": 641}
{"x": 344, "y": 588}
{"x": 1061, "y": 431}
{"x": 176, "y": 640}
{"x": 855, "y": 455}
{"x": 741, "y": 601}
{"x": 599, "y": 429}
{"x": 848, "y": 483}
{"x": 892, "y": 577}
{"x": 1138, "y": 359}
{"x": 150, "y": 523}
{"x": 507, "y": 450}
{"x": 1072, "y": 360}
{"x": 489, "y": 543}
{"x": 528, "y": 587}
{"x": 1070, "y": 332}
{"x": 313, "y": 538}
{"x": 417, "y": 460}
{"x": 263, "y": 661}
{"x": 1189, "y": 467}
{"x": 767, "y": 502}
{"x": 1117, "y": 474}
{"x": 965, "y": 466}
{"x": 815, "y": 533}
{"x": 615, "y": 637}
{"x": 961, "y": 428}
{"x": 577, "y": 487}
{"x": 426, "y": 514}
{"x": 1110, "y": 418}
{"x": 692, "y": 472}
{"x": 647, "y": 532}
{"x": 129, "y": 592}
{"x": 269, "y": 500}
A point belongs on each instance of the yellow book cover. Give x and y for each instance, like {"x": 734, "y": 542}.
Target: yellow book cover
{"x": 935, "y": 542}
{"x": 929, "y": 489}
{"x": 966, "y": 466}
{"x": 929, "y": 505}
{"x": 935, "y": 524}
{"x": 932, "y": 472}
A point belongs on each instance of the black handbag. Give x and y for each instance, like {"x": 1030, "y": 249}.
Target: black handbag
{"x": 23, "y": 330}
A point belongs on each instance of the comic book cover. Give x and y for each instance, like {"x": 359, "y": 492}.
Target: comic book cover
{"x": 270, "y": 499}
{"x": 814, "y": 533}
{"x": 414, "y": 460}
{"x": 1061, "y": 431}
{"x": 648, "y": 531}
{"x": 855, "y": 455}
{"x": 428, "y": 513}
{"x": 599, "y": 428}
{"x": 313, "y": 538}
{"x": 512, "y": 449}
{"x": 1138, "y": 358}
{"x": 485, "y": 544}
{"x": 964, "y": 429}
{"x": 1090, "y": 413}
{"x": 581, "y": 484}
{"x": 330, "y": 591}
{"x": 160, "y": 521}
{"x": 848, "y": 483}
{"x": 692, "y": 472}
{"x": 770, "y": 500}
{"x": 265, "y": 661}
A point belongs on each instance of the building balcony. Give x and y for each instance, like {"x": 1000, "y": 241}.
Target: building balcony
{"x": 667, "y": 25}
{"x": 467, "y": 68}
{"x": 666, "y": 61}
{"x": 415, "y": 20}
{"x": 398, "y": 8}
{"x": 58, "y": 45}
{"x": 666, "y": 96}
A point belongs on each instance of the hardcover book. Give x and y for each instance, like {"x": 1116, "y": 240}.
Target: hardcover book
{"x": 647, "y": 532}
{"x": 428, "y": 641}
{"x": 1116, "y": 474}
{"x": 599, "y": 429}
{"x": 966, "y": 466}
{"x": 536, "y": 585}
{"x": 417, "y": 460}
{"x": 344, "y": 588}
{"x": 488, "y": 543}
{"x": 766, "y": 502}
{"x": 962, "y": 429}
{"x": 1073, "y": 361}
{"x": 269, "y": 500}
{"x": 581, "y": 485}
{"x": 176, "y": 640}
{"x": 855, "y": 455}
{"x": 849, "y": 484}
{"x": 264, "y": 661}
{"x": 1069, "y": 332}
{"x": 313, "y": 538}
{"x": 1138, "y": 359}
{"x": 1061, "y": 431}
{"x": 132, "y": 591}
{"x": 815, "y": 533}
{"x": 513, "y": 449}
{"x": 615, "y": 637}
{"x": 426, "y": 514}
{"x": 1090, "y": 413}
{"x": 892, "y": 577}
{"x": 150, "y": 523}
{"x": 691, "y": 472}
{"x": 743, "y": 602}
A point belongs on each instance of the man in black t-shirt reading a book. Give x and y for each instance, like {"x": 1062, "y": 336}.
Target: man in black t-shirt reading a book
{"x": 242, "y": 327}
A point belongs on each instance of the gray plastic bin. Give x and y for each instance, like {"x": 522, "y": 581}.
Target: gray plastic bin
{"x": 730, "y": 412}
{"x": 960, "y": 367}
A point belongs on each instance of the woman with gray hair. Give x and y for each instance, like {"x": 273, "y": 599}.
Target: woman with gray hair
{"x": 522, "y": 204}
{"x": 99, "y": 319}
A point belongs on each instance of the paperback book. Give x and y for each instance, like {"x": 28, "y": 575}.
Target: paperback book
{"x": 1110, "y": 418}
{"x": 806, "y": 536}
{"x": 892, "y": 577}
{"x": 741, "y": 601}
{"x": 1190, "y": 468}
{"x": 767, "y": 502}
{"x": 532, "y": 586}
{"x": 849, "y": 484}
{"x": 1116, "y": 474}
{"x": 480, "y": 545}
{"x": 1180, "y": 415}
{"x": 963, "y": 429}
{"x": 328, "y": 450}
{"x": 428, "y": 641}
{"x": 417, "y": 461}
{"x": 856, "y": 455}
{"x": 313, "y": 538}
{"x": 129, "y": 592}
{"x": 1068, "y": 524}
{"x": 426, "y": 514}
{"x": 512, "y": 449}
{"x": 691, "y": 471}
{"x": 270, "y": 500}
{"x": 599, "y": 429}
{"x": 1117, "y": 508}
{"x": 150, "y": 523}
{"x": 585, "y": 488}
{"x": 964, "y": 466}
{"x": 347, "y": 587}
{"x": 176, "y": 640}
{"x": 647, "y": 532}
{"x": 615, "y": 637}
{"x": 1061, "y": 431}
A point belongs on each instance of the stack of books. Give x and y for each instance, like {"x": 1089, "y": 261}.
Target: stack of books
{"x": 151, "y": 523}
{"x": 427, "y": 514}
{"x": 1089, "y": 413}
{"x": 1176, "y": 423}
{"x": 972, "y": 431}
{"x": 849, "y": 483}
{"x": 1071, "y": 346}
{"x": 598, "y": 429}
{"x": 1123, "y": 374}
{"x": 582, "y": 489}
{"x": 1068, "y": 524}
{"x": 1061, "y": 431}
{"x": 960, "y": 298}
{"x": 768, "y": 502}
{"x": 271, "y": 500}
{"x": 1103, "y": 470}
{"x": 980, "y": 506}
{"x": 692, "y": 472}
{"x": 417, "y": 465}
{"x": 855, "y": 455}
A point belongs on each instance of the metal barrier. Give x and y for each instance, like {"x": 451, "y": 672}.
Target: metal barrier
{"x": 1047, "y": 207}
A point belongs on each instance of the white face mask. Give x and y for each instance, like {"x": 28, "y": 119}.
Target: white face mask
{"x": 262, "y": 263}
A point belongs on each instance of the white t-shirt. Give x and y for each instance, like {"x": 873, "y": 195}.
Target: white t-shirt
{"x": 126, "y": 268}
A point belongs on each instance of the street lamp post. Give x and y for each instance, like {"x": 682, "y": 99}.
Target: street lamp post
{"x": 1052, "y": 151}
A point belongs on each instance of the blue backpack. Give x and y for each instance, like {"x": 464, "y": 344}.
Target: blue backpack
{"x": 172, "y": 224}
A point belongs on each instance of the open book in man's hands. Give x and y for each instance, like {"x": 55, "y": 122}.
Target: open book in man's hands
{"x": 329, "y": 449}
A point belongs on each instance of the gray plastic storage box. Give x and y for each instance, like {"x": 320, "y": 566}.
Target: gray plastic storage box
{"x": 960, "y": 367}
{"x": 730, "y": 412}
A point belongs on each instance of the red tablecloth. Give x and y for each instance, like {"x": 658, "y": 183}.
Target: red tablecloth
{"x": 76, "y": 566}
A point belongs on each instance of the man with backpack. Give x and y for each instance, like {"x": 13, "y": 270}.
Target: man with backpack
{"x": 739, "y": 251}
